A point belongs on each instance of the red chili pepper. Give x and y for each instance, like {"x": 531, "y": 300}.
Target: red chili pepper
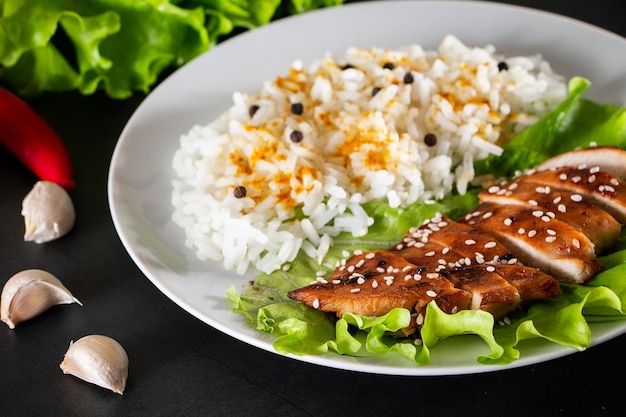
{"x": 33, "y": 141}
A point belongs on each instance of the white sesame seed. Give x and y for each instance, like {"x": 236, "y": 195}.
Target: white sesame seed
{"x": 490, "y": 244}
{"x": 551, "y": 232}
{"x": 550, "y": 239}
{"x": 563, "y": 177}
{"x": 316, "y": 304}
{"x": 487, "y": 215}
{"x": 374, "y": 284}
{"x": 432, "y": 275}
{"x": 508, "y": 221}
{"x": 594, "y": 170}
{"x": 431, "y": 253}
{"x": 493, "y": 189}
{"x": 562, "y": 208}
{"x": 336, "y": 281}
{"x": 576, "y": 243}
{"x": 355, "y": 290}
{"x": 490, "y": 268}
{"x": 445, "y": 250}
{"x": 419, "y": 320}
{"x": 576, "y": 179}
{"x": 582, "y": 166}
{"x": 351, "y": 268}
{"x": 614, "y": 181}
{"x": 358, "y": 252}
{"x": 470, "y": 242}
{"x": 576, "y": 197}
{"x": 431, "y": 293}
{"x": 533, "y": 203}
{"x": 360, "y": 281}
{"x": 361, "y": 262}
{"x": 545, "y": 218}
{"x": 591, "y": 179}
{"x": 417, "y": 277}
{"x": 370, "y": 255}
{"x": 380, "y": 270}
{"x": 532, "y": 233}
{"x": 521, "y": 230}
{"x": 537, "y": 213}
{"x": 556, "y": 200}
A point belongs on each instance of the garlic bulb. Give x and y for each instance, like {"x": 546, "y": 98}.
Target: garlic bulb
{"x": 29, "y": 293}
{"x": 48, "y": 212}
{"x": 99, "y": 360}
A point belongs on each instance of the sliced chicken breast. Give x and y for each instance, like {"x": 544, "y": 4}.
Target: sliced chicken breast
{"x": 540, "y": 240}
{"x": 598, "y": 225}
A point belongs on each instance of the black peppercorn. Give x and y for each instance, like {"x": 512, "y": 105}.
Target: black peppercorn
{"x": 389, "y": 65}
{"x": 503, "y": 66}
{"x": 375, "y": 91}
{"x": 240, "y": 191}
{"x": 347, "y": 66}
{"x": 296, "y": 136}
{"x": 253, "y": 109}
{"x": 430, "y": 139}
{"x": 297, "y": 108}
{"x": 408, "y": 78}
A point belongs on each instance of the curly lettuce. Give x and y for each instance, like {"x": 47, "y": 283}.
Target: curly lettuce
{"x": 564, "y": 320}
{"x": 119, "y": 46}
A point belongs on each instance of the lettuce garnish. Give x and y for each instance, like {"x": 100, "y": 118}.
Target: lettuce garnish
{"x": 564, "y": 320}
{"x": 119, "y": 46}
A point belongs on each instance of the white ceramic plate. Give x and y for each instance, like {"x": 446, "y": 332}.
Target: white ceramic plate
{"x": 141, "y": 174}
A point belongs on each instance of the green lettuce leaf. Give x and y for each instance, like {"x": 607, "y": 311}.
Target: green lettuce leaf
{"x": 119, "y": 46}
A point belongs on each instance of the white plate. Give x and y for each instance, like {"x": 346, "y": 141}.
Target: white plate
{"x": 140, "y": 174}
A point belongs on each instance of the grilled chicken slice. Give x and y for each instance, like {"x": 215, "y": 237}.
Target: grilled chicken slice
{"x": 531, "y": 283}
{"x": 539, "y": 240}
{"x": 471, "y": 245}
{"x": 490, "y": 291}
{"x": 373, "y": 283}
{"x": 598, "y": 225}
{"x": 608, "y": 158}
{"x": 476, "y": 262}
{"x": 589, "y": 184}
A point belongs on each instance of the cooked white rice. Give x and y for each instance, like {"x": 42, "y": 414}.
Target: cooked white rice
{"x": 355, "y": 146}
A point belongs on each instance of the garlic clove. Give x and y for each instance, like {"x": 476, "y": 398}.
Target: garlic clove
{"x": 99, "y": 360}
{"x": 48, "y": 212}
{"x": 29, "y": 293}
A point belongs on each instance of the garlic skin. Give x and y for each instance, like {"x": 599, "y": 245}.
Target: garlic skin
{"x": 48, "y": 212}
{"x": 29, "y": 293}
{"x": 99, "y": 360}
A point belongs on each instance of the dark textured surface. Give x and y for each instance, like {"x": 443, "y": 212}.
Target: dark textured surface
{"x": 180, "y": 366}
